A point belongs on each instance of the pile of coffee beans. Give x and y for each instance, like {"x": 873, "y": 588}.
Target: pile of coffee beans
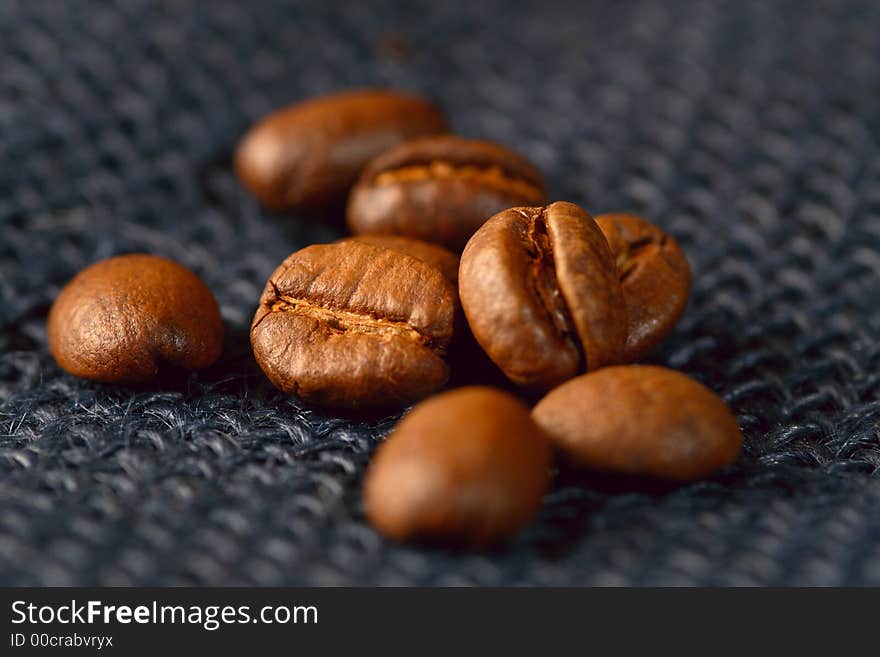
{"x": 559, "y": 301}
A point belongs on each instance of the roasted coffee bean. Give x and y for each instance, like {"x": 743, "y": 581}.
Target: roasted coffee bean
{"x": 466, "y": 467}
{"x": 655, "y": 278}
{"x": 640, "y": 420}
{"x": 442, "y": 259}
{"x": 542, "y": 295}
{"x": 308, "y": 155}
{"x": 120, "y": 320}
{"x": 355, "y": 326}
{"x": 441, "y": 189}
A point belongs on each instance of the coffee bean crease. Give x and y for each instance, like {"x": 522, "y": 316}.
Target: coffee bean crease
{"x": 543, "y": 276}
{"x": 493, "y": 176}
{"x": 339, "y": 320}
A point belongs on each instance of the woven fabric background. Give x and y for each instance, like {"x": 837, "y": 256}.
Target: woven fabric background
{"x": 749, "y": 130}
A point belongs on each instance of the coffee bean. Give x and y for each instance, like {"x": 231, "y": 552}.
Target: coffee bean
{"x": 441, "y": 189}
{"x": 542, "y": 296}
{"x": 655, "y": 278}
{"x": 640, "y": 420}
{"x": 308, "y": 155}
{"x": 442, "y": 259}
{"x": 466, "y": 467}
{"x": 120, "y": 320}
{"x": 353, "y": 325}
